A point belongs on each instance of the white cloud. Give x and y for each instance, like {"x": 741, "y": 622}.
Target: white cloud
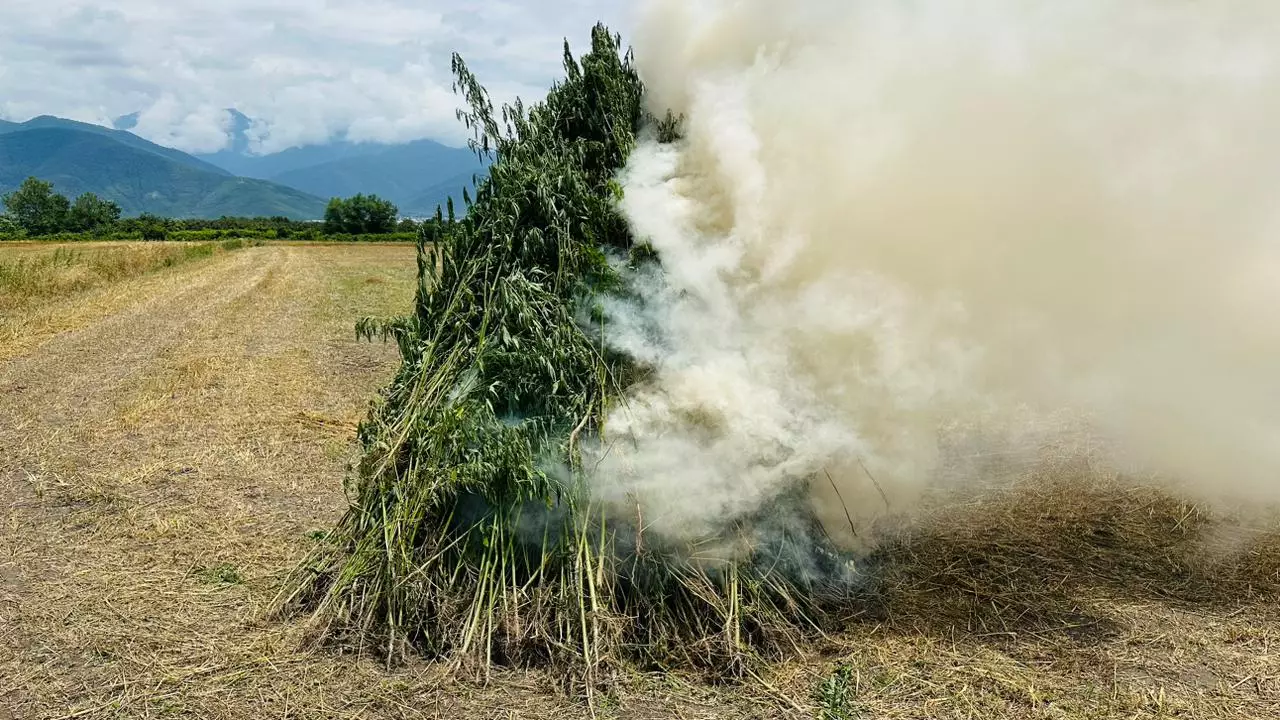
{"x": 307, "y": 70}
{"x": 200, "y": 129}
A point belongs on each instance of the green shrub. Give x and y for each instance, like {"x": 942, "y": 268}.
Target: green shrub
{"x": 151, "y": 227}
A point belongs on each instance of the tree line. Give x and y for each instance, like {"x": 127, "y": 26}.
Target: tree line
{"x": 36, "y": 210}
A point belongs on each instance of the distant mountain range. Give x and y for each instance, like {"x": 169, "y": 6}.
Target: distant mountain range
{"x": 417, "y": 176}
{"x": 142, "y": 176}
{"x": 138, "y": 175}
{"x": 408, "y": 175}
{"x": 47, "y": 122}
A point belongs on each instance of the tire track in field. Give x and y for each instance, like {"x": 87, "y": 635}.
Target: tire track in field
{"x": 203, "y": 423}
{"x": 55, "y": 402}
{"x": 72, "y": 373}
{"x": 161, "y": 467}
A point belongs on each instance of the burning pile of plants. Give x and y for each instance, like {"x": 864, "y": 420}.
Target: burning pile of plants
{"x": 700, "y": 343}
{"x": 472, "y": 535}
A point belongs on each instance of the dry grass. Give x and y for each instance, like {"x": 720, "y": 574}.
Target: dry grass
{"x": 1073, "y": 594}
{"x": 46, "y": 288}
{"x": 29, "y": 274}
{"x": 18, "y": 249}
{"x": 168, "y": 455}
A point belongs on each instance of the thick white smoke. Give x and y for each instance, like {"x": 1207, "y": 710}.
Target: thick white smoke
{"x": 887, "y": 218}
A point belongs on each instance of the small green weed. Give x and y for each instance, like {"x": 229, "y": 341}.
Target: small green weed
{"x": 223, "y": 574}
{"x": 837, "y": 696}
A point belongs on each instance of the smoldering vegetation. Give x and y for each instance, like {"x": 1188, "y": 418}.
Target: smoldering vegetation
{"x": 861, "y": 310}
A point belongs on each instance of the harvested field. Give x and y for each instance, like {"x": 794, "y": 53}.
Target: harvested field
{"x": 171, "y": 443}
{"x": 32, "y": 274}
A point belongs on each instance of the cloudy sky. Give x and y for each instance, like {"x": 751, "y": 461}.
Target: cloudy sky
{"x": 305, "y": 69}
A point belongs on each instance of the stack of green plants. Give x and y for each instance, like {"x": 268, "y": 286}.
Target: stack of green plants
{"x": 471, "y": 535}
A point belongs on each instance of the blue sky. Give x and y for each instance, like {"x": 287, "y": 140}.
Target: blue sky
{"x": 306, "y": 69}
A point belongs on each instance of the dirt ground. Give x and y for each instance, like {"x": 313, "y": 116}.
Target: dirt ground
{"x": 169, "y": 444}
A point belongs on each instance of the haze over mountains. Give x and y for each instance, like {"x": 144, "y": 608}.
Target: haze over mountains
{"x": 142, "y": 176}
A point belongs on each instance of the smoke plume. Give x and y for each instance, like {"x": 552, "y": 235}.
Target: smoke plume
{"x": 890, "y": 222}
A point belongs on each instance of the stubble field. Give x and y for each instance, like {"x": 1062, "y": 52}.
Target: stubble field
{"x": 174, "y": 436}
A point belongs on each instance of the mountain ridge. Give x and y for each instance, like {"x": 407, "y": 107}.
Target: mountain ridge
{"x": 78, "y": 161}
{"x": 399, "y": 173}
{"x": 127, "y": 138}
{"x": 267, "y": 166}
{"x": 417, "y": 176}
{"x": 424, "y": 204}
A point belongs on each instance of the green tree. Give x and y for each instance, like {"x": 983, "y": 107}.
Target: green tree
{"x": 153, "y": 227}
{"x": 90, "y": 213}
{"x": 37, "y": 208}
{"x": 335, "y": 216}
{"x": 9, "y": 227}
{"x": 362, "y": 214}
